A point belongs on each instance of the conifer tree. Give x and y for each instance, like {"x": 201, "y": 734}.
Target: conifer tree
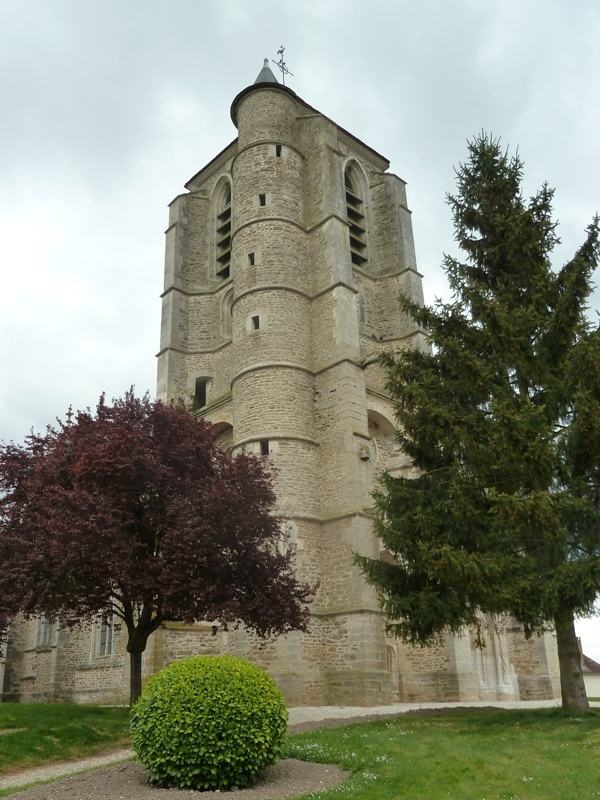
{"x": 501, "y": 420}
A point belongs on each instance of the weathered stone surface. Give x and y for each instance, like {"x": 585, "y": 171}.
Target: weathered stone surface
{"x": 288, "y": 342}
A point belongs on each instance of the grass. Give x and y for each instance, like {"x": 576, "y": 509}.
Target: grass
{"x": 38, "y": 734}
{"x": 545, "y": 754}
{"x": 491, "y": 755}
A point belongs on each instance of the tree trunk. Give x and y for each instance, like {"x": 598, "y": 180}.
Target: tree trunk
{"x": 135, "y": 675}
{"x": 137, "y": 639}
{"x": 572, "y": 686}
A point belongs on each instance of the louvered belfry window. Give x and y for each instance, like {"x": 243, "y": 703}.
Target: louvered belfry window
{"x": 223, "y": 238}
{"x": 355, "y": 213}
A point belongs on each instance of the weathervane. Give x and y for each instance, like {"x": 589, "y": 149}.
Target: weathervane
{"x": 281, "y": 64}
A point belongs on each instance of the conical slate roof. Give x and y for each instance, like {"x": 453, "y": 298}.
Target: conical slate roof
{"x": 265, "y": 75}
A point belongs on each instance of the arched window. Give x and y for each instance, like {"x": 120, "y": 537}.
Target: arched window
{"x": 45, "y": 632}
{"x": 356, "y": 214}
{"x": 383, "y": 438}
{"x": 223, "y": 436}
{"x": 222, "y": 223}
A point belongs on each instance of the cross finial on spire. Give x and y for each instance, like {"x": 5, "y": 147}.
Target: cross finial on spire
{"x": 282, "y": 65}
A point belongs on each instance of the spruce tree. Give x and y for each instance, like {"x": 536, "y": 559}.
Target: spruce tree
{"x": 501, "y": 420}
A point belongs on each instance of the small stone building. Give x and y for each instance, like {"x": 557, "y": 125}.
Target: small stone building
{"x": 285, "y": 260}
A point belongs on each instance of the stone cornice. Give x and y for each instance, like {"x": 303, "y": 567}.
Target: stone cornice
{"x": 276, "y": 437}
{"x": 218, "y": 402}
{"x": 270, "y": 365}
{"x": 322, "y": 520}
{"x": 215, "y": 164}
{"x": 258, "y": 220}
{"x": 339, "y": 612}
{"x": 259, "y": 142}
{"x": 182, "y": 352}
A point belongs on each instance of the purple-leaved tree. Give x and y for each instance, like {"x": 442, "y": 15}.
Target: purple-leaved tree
{"x": 135, "y": 510}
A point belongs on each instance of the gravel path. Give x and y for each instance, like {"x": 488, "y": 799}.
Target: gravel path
{"x": 127, "y": 781}
{"x": 114, "y": 776}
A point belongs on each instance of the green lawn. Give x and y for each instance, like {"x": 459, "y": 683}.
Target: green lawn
{"x": 39, "y": 733}
{"x": 459, "y": 755}
{"x": 491, "y": 755}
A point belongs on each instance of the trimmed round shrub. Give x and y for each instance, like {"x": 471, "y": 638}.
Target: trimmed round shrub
{"x": 208, "y": 722}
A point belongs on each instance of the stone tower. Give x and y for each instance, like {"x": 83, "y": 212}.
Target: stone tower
{"x": 285, "y": 261}
{"x": 284, "y": 265}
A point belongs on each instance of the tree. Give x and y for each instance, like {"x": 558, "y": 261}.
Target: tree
{"x": 135, "y": 510}
{"x": 501, "y": 420}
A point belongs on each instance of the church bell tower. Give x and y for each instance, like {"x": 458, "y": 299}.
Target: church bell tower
{"x": 285, "y": 261}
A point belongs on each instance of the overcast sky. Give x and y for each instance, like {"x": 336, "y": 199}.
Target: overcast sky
{"x": 108, "y": 107}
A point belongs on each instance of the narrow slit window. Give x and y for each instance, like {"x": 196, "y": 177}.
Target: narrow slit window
{"x": 264, "y": 447}
{"x": 278, "y": 150}
{"x": 255, "y": 323}
{"x": 262, "y": 199}
{"x": 251, "y": 259}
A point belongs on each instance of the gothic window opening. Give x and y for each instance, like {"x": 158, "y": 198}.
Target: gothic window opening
{"x": 264, "y": 447}
{"x": 224, "y": 436}
{"x": 262, "y": 199}
{"x": 223, "y": 231}
{"x": 355, "y": 214}
{"x": 44, "y": 633}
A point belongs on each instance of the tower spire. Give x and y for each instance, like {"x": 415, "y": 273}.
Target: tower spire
{"x": 265, "y": 75}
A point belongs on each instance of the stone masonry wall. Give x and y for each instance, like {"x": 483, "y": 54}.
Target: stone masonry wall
{"x": 288, "y": 343}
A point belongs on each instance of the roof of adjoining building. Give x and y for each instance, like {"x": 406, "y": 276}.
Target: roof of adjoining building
{"x": 589, "y": 665}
